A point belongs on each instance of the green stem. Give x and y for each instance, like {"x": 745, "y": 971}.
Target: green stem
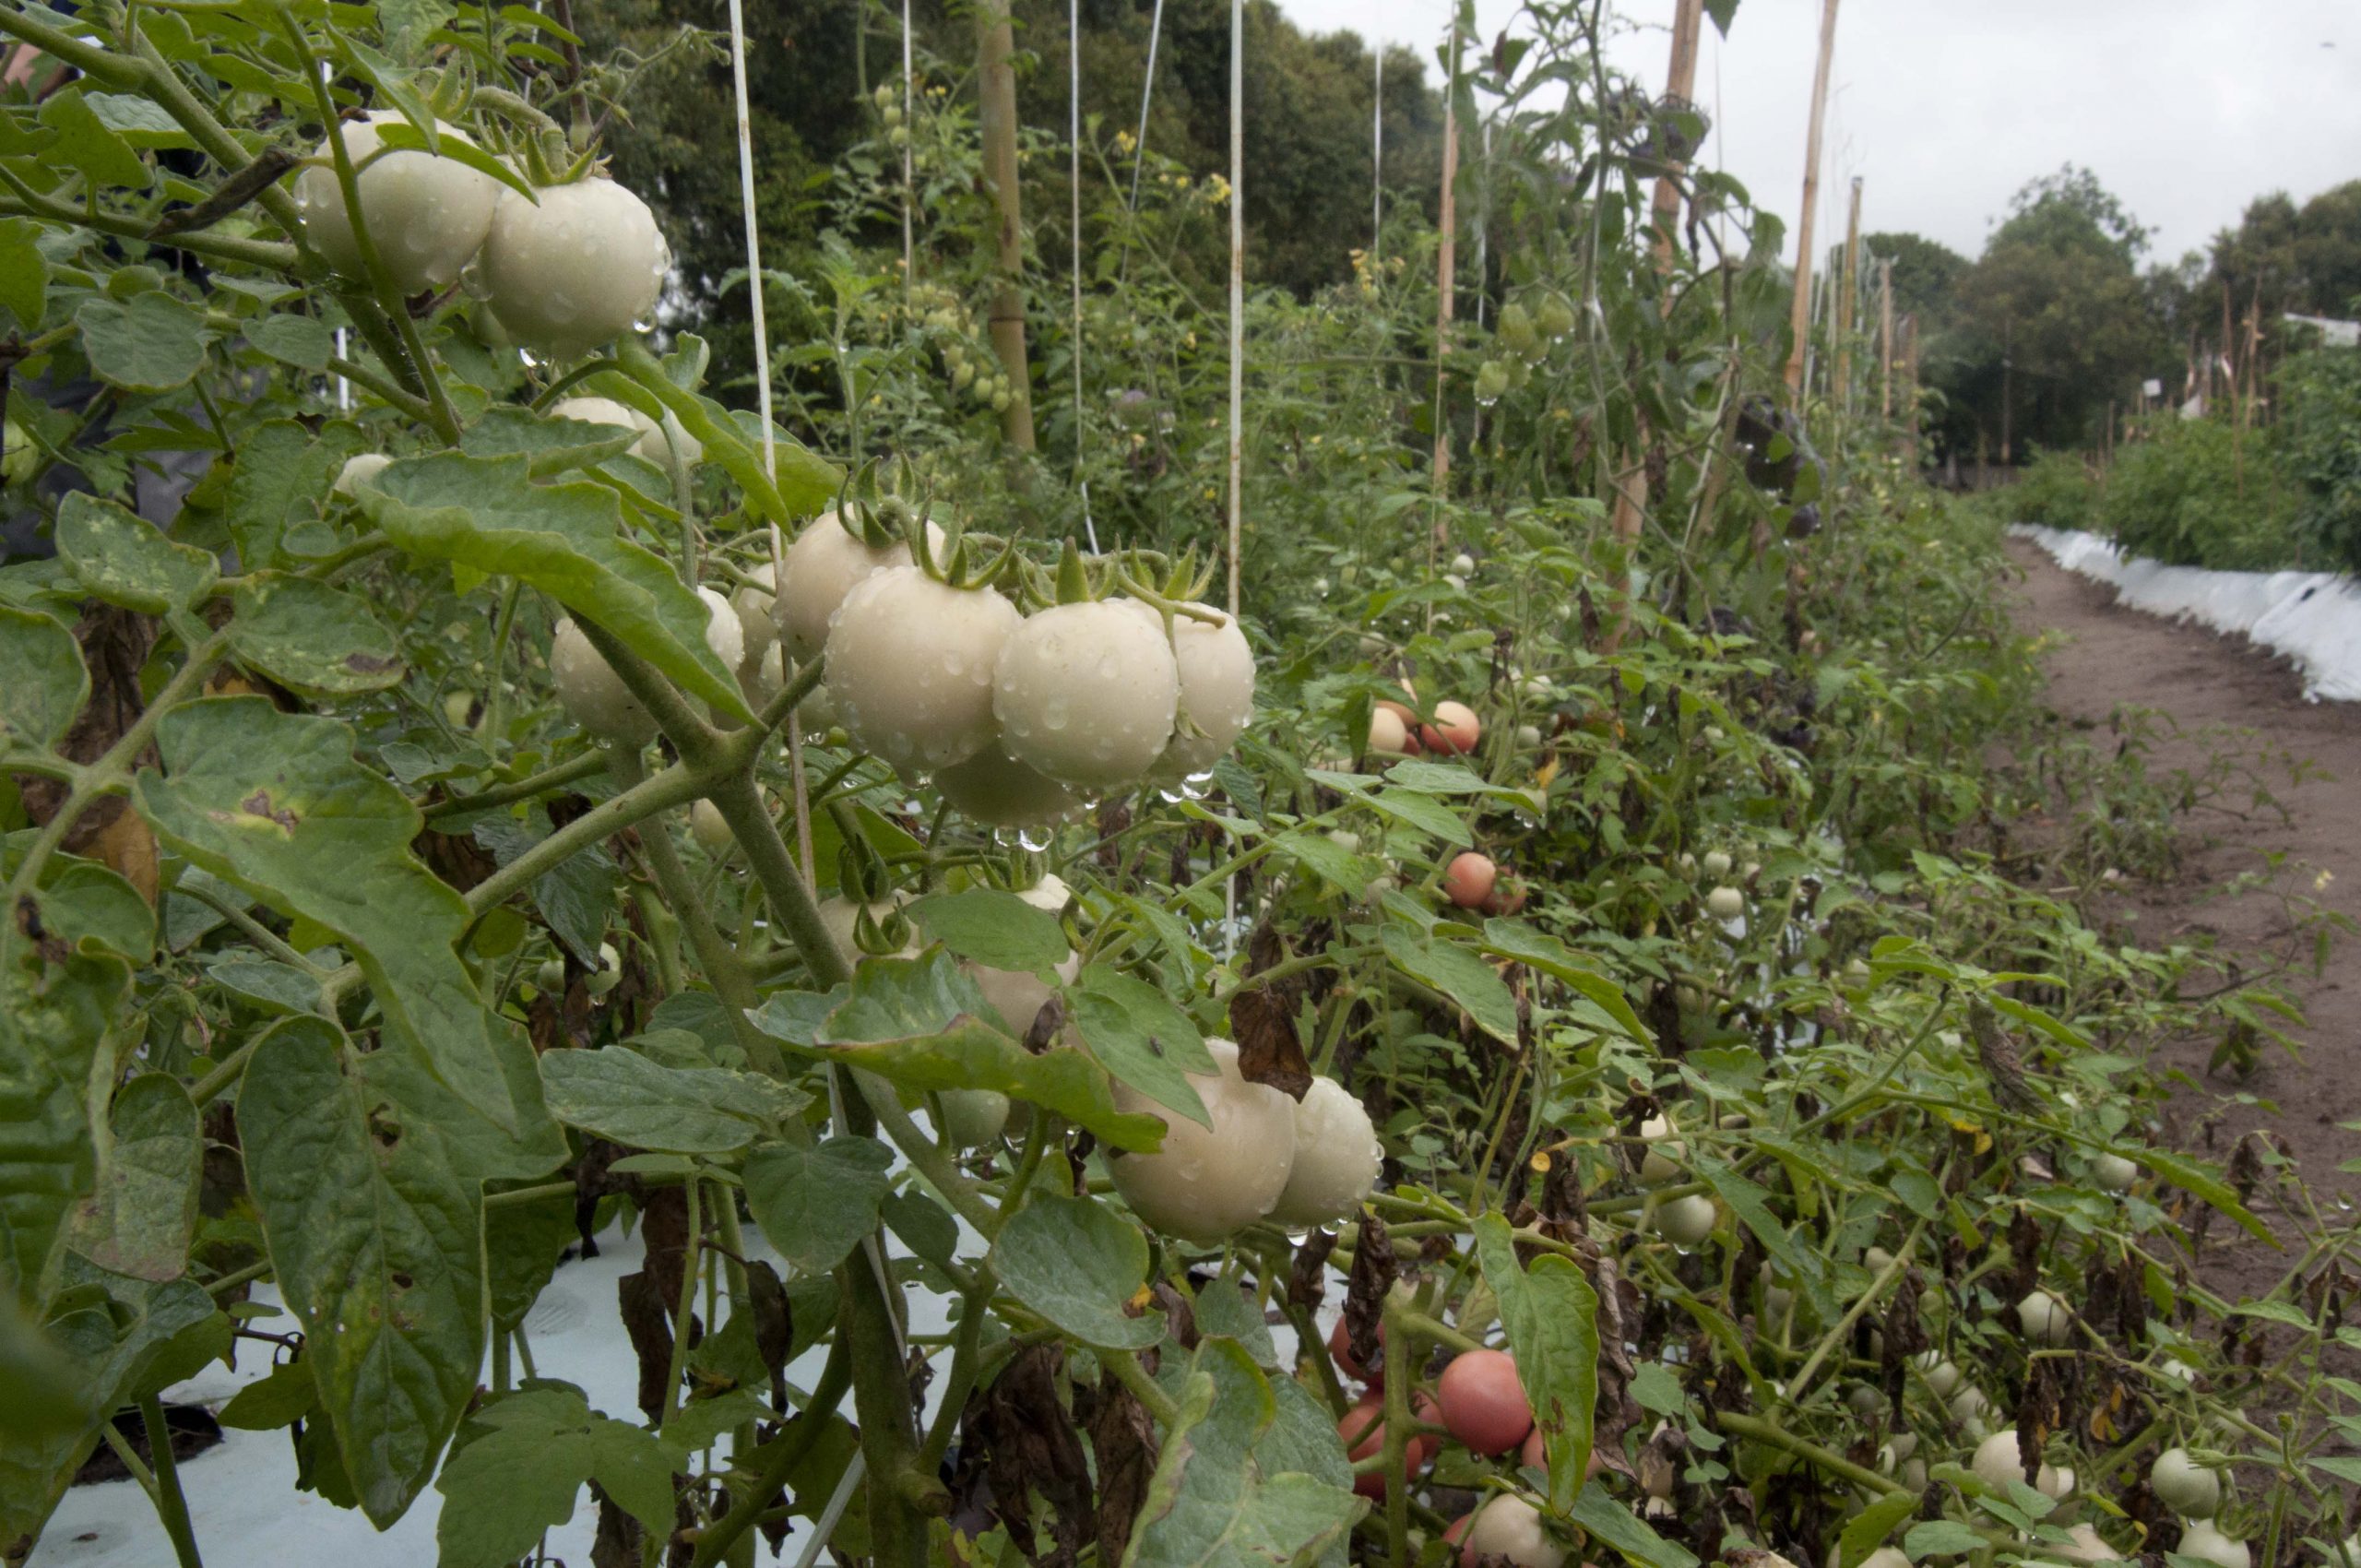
{"x": 676, "y": 786}
{"x": 1844, "y": 1326}
{"x": 171, "y": 1506}
{"x": 715, "y": 1540}
{"x": 685, "y": 1310}
{"x": 1835, "y": 1463}
{"x": 105, "y": 775}
{"x": 359, "y": 374}
{"x": 1126, "y": 1368}
{"x": 554, "y": 776}
{"x": 880, "y": 1393}
{"x": 1397, "y": 1432}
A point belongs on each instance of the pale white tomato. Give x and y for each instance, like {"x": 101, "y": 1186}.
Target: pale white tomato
{"x": 842, "y": 917}
{"x": 2045, "y": 1319}
{"x": 1508, "y": 1527}
{"x": 1662, "y": 1162}
{"x": 358, "y": 471}
{"x": 582, "y": 267}
{"x": 1018, "y": 995}
{"x": 2184, "y": 1486}
{"x": 590, "y": 691}
{"x": 657, "y": 438}
{"x": 1216, "y": 670}
{"x": 2114, "y": 1172}
{"x": 1207, "y": 1184}
{"x": 995, "y": 788}
{"x": 2201, "y": 1538}
{"x": 910, "y": 666}
{"x": 1388, "y": 736}
{"x": 1086, "y": 694}
{"x": 1716, "y": 865}
{"x": 1337, "y": 1158}
{"x": 722, "y": 633}
{"x": 755, "y": 602}
{"x": 823, "y": 564}
{"x": 1726, "y": 903}
{"x": 1998, "y": 1460}
{"x": 427, "y": 214}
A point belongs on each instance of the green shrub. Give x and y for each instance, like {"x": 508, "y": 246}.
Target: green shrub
{"x": 2320, "y": 434}
{"x": 2057, "y": 490}
{"x": 2199, "y": 492}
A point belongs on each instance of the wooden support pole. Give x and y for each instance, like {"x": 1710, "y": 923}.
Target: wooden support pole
{"x": 1885, "y": 338}
{"x": 1910, "y": 390}
{"x": 996, "y": 119}
{"x": 1801, "y": 318}
{"x": 1681, "y": 83}
{"x": 1848, "y": 283}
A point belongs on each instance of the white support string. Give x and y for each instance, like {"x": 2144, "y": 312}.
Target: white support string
{"x": 1147, "y": 93}
{"x": 1074, "y": 150}
{"x": 910, "y": 153}
{"x": 1377, "y": 154}
{"x": 763, "y": 394}
{"x": 1236, "y": 356}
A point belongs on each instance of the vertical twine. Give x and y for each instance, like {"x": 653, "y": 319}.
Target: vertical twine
{"x": 763, "y": 383}
{"x": 909, "y": 158}
{"x": 1377, "y": 154}
{"x": 1237, "y": 355}
{"x": 1073, "y": 167}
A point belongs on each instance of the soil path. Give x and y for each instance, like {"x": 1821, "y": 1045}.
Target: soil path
{"x": 2218, "y": 692}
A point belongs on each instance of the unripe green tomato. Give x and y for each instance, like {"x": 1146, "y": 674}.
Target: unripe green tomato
{"x": 2114, "y": 1172}
{"x": 1001, "y": 401}
{"x": 710, "y": 829}
{"x": 2184, "y": 1486}
{"x": 609, "y": 970}
{"x": 457, "y": 705}
{"x": 973, "y": 1118}
{"x": 1726, "y": 903}
{"x": 899, "y": 136}
{"x": 996, "y": 789}
{"x": 550, "y": 977}
{"x": 1687, "y": 1221}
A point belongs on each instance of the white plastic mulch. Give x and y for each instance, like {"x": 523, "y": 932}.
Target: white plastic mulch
{"x": 2313, "y": 618}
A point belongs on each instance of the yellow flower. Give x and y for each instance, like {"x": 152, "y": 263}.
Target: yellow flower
{"x": 1125, "y": 142}
{"x": 1216, "y": 189}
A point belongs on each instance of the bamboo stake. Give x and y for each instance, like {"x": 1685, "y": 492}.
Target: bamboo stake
{"x": 1910, "y": 390}
{"x": 1885, "y": 338}
{"x": 1631, "y": 503}
{"x": 996, "y": 116}
{"x": 1801, "y": 318}
{"x": 1446, "y": 270}
{"x": 1847, "y": 288}
{"x": 1680, "y": 82}
{"x": 909, "y": 158}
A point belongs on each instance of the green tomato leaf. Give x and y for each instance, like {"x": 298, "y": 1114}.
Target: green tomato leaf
{"x": 374, "y": 1240}
{"x": 120, "y": 557}
{"x": 315, "y": 638}
{"x": 566, "y": 540}
{"x": 280, "y": 990}
{"x": 150, "y": 342}
{"x": 85, "y": 142}
{"x": 1422, "y": 812}
{"x": 1210, "y": 1503}
{"x": 522, "y": 1245}
{"x": 139, "y": 1220}
{"x": 1458, "y": 974}
{"x": 1539, "y": 950}
{"x": 1079, "y": 1265}
{"x": 2191, "y": 1177}
{"x": 275, "y": 803}
{"x": 1605, "y": 1517}
{"x": 997, "y": 930}
{"x": 1935, "y": 1537}
{"x": 281, "y": 477}
{"x": 1551, "y": 1315}
{"x": 1140, "y": 1038}
{"x": 862, "y": 1026}
{"x": 46, "y": 685}
{"x": 523, "y": 1472}
{"x": 284, "y": 1395}
{"x": 1868, "y": 1529}
{"x": 304, "y": 341}
{"x": 24, "y": 274}
{"x": 816, "y": 1204}
{"x": 52, "y": 1019}
{"x": 619, "y": 1094}
{"x": 1752, "y": 1207}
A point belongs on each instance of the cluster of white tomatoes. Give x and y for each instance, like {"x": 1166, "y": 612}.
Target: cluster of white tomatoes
{"x": 570, "y": 268}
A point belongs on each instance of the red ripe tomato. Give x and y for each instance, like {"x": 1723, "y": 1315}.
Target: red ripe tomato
{"x": 1483, "y": 1404}
{"x": 1454, "y": 731}
{"x": 1468, "y": 880}
{"x": 1456, "y": 1529}
{"x": 1363, "y": 1431}
{"x": 1341, "y": 1353}
{"x": 1508, "y": 896}
{"x": 1533, "y": 1456}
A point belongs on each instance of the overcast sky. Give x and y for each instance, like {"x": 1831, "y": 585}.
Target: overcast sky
{"x": 2186, "y": 108}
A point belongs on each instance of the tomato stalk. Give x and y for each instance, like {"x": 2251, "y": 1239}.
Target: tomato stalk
{"x": 172, "y": 1506}
{"x": 1398, "y": 1430}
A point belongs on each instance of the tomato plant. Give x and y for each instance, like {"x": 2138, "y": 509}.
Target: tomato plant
{"x": 1042, "y": 1038}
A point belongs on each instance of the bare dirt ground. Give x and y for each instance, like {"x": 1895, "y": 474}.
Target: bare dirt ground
{"x": 2217, "y": 692}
